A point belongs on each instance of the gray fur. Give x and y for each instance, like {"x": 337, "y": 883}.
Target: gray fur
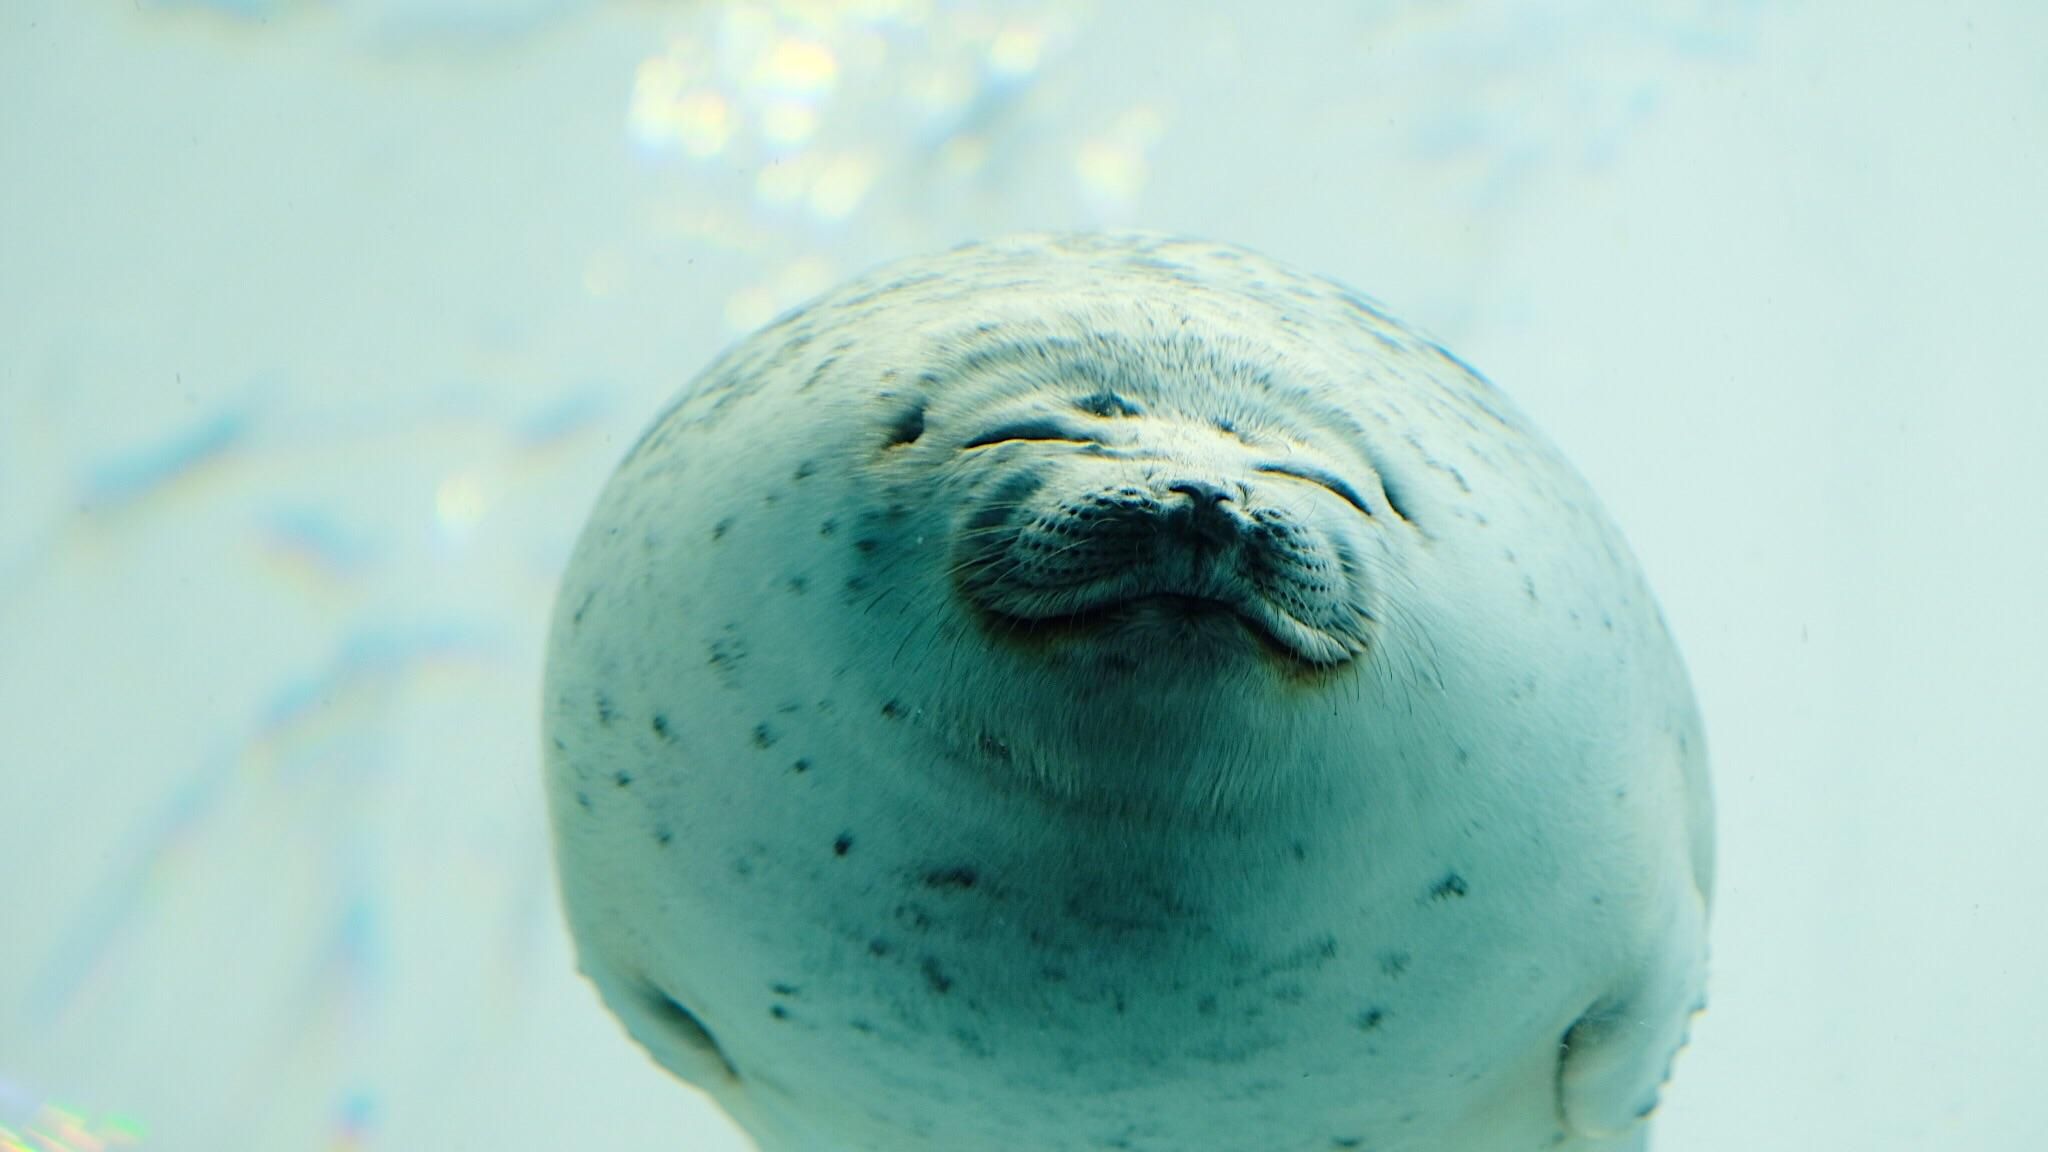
{"x": 1082, "y": 693}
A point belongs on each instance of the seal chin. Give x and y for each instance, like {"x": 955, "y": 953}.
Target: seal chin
{"x": 1180, "y": 625}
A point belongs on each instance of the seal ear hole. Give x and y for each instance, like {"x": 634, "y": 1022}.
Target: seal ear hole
{"x": 682, "y": 1025}
{"x": 908, "y": 426}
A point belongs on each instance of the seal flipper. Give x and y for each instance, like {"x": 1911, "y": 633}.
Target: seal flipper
{"x": 666, "y": 1027}
{"x": 1616, "y": 1057}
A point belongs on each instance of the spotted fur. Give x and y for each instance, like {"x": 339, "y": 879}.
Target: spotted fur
{"x": 1113, "y": 692}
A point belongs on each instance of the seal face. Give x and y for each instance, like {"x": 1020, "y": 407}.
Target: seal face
{"x": 1114, "y": 692}
{"x": 1157, "y": 532}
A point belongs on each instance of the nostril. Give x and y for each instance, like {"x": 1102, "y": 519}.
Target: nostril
{"x": 1204, "y": 495}
{"x": 1204, "y": 516}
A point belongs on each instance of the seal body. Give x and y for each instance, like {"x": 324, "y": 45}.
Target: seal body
{"x": 1117, "y": 693}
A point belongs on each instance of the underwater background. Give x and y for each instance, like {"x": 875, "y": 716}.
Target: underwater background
{"x": 321, "y": 323}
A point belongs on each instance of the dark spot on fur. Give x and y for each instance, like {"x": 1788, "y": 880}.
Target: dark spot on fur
{"x": 1394, "y": 963}
{"x": 959, "y": 876}
{"x": 778, "y": 1011}
{"x": 908, "y": 426}
{"x": 830, "y": 526}
{"x": 1107, "y": 403}
{"x": 800, "y": 767}
{"x": 764, "y": 736}
{"x": 936, "y": 976}
{"x": 843, "y": 844}
{"x": 1371, "y": 1019}
{"x": 994, "y": 749}
{"x": 892, "y": 710}
{"x": 880, "y": 947}
{"x": 1451, "y": 886}
{"x": 719, "y": 529}
{"x": 663, "y": 836}
{"x": 806, "y": 470}
{"x": 818, "y": 373}
{"x": 728, "y": 655}
{"x": 623, "y": 779}
{"x": 797, "y": 584}
{"x": 583, "y": 800}
{"x": 604, "y": 710}
{"x": 660, "y": 726}
{"x": 583, "y": 606}
{"x": 866, "y": 545}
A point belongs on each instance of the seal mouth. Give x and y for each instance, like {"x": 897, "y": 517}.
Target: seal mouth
{"x": 1152, "y": 617}
{"x": 1169, "y": 566}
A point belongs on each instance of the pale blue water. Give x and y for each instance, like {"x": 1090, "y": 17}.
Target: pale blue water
{"x": 321, "y": 323}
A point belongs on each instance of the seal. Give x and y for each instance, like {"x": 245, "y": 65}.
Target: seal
{"x": 1114, "y": 692}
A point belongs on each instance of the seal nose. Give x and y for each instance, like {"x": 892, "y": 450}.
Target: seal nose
{"x": 1203, "y": 515}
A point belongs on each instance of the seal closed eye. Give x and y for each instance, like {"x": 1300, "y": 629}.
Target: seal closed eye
{"x": 1039, "y": 429}
{"x": 1321, "y": 479}
{"x": 1050, "y": 727}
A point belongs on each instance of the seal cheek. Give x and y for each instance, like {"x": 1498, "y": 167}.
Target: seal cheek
{"x": 1000, "y": 505}
{"x": 1313, "y": 578}
{"x": 994, "y": 509}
